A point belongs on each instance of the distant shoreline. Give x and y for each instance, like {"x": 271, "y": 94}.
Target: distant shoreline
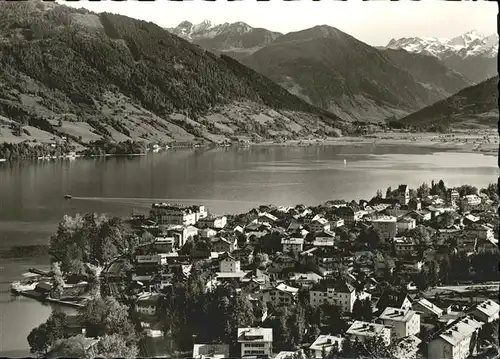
{"x": 460, "y": 143}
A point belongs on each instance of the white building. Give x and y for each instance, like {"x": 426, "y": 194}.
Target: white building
{"x": 363, "y": 330}
{"x": 324, "y": 344}
{"x": 404, "y": 246}
{"x": 295, "y": 245}
{"x": 159, "y": 258}
{"x": 469, "y": 202}
{"x": 213, "y": 222}
{"x": 208, "y": 233}
{"x": 165, "y": 214}
{"x": 256, "y": 341}
{"x": 146, "y": 303}
{"x": 405, "y": 224}
{"x": 333, "y": 292}
{"x": 402, "y": 322}
{"x": 486, "y": 311}
{"x": 456, "y": 341}
{"x": 319, "y": 225}
{"x": 164, "y": 244}
{"x": 386, "y": 225}
{"x": 281, "y": 295}
{"x": 229, "y": 264}
{"x": 210, "y": 351}
{"x": 403, "y": 194}
{"x": 426, "y": 309}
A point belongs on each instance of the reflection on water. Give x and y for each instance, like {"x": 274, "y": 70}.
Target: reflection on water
{"x": 226, "y": 180}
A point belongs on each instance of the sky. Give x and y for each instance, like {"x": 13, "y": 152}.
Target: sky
{"x": 374, "y": 22}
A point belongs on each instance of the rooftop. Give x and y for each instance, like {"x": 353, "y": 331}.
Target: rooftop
{"x": 325, "y": 341}
{"x": 398, "y": 315}
{"x": 488, "y": 307}
{"x": 365, "y": 329}
{"x": 256, "y": 335}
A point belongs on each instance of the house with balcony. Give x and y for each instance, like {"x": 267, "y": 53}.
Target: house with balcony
{"x": 164, "y": 244}
{"x": 221, "y": 245}
{"x": 281, "y": 295}
{"x": 146, "y": 303}
{"x": 386, "y": 225}
{"x": 319, "y": 225}
{"x": 227, "y": 263}
{"x": 256, "y": 342}
{"x": 334, "y": 292}
{"x": 292, "y": 245}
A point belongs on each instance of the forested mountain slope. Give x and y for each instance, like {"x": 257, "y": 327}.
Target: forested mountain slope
{"x": 69, "y": 72}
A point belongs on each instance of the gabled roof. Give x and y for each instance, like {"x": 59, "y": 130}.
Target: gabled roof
{"x": 360, "y": 328}
{"x": 429, "y": 306}
{"x": 396, "y": 314}
{"x": 488, "y": 307}
{"x": 326, "y": 342}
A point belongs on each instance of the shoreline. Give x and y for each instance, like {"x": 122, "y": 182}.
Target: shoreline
{"x": 458, "y": 142}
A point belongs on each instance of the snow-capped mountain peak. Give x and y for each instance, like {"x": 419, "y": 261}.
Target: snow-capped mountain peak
{"x": 472, "y": 43}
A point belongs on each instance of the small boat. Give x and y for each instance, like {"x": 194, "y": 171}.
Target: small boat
{"x": 67, "y": 196}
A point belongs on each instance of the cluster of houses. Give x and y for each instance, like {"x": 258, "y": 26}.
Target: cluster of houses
{"x": 303, "y": 250}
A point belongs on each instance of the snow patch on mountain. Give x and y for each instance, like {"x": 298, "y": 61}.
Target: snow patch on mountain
{"x": 471, "y": 43}
{"x": 207, "y": 29}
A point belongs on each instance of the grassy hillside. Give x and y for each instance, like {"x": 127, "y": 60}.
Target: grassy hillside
{"x": 86, "y": 76}
{"x": 472, "y": 107}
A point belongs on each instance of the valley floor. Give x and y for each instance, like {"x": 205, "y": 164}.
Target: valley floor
{"x": 486, "y": 141}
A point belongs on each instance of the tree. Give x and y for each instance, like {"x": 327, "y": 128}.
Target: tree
{"x": 388, "y": 192}
{"x": 39, "y": 340}
{"x": 357, "y": 309}
{"x": 420, "y": 234}
{"x": 57, "y": 280}
{"x": 42, "y": 338}
{"x": 106, "y": 316}
{"x": 379, "y": 194}
{"x": 423, "y": 191}
{"x": 261, "y": 260}
{"x": 115, "y": 346}
{"x": 73, "y": 347}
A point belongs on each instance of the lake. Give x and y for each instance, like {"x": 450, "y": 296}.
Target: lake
{"x": 226, "y": 180}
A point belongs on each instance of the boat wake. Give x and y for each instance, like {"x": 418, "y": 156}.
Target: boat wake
{"x": 149, "y": 200}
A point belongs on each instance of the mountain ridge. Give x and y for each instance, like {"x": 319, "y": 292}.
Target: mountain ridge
{"x": 473, "y": 107}
{"x": 85, "y": 76}
{"x": 471, "y": 54}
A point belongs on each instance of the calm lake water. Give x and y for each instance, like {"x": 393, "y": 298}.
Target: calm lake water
{"x": 226, "y": 180}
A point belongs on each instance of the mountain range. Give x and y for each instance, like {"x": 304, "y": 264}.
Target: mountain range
{"x": 72, "y": 73}
{"x": 335, "y": 71}
{"x": 472, "y": 54}
{"x": 236, "y": 39}
{"x": 84, "y": 76}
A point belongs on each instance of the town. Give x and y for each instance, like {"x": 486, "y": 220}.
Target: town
{"x": 410, "y": 273}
